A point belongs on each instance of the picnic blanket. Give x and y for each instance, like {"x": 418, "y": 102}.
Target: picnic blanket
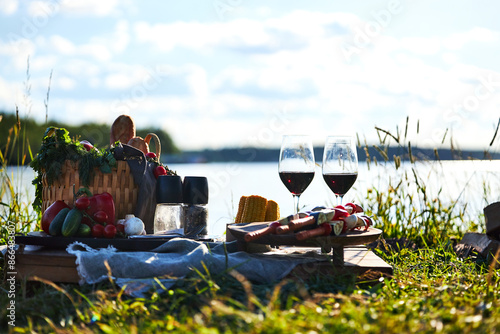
{"x": 160, "y": 268}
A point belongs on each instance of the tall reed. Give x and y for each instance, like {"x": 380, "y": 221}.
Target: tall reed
{"x": 410, "y": 203}
{"x": 15, "y": 206}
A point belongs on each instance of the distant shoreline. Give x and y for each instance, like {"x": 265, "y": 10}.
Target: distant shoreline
{"x": 252, "y": 154}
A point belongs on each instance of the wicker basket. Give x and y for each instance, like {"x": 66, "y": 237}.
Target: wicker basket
{"x": 119, "y": 183}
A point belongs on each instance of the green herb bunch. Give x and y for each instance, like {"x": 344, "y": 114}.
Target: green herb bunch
{"x": 57, "y": 147}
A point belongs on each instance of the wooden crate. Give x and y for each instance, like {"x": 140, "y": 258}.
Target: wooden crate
{"x": 50, "y": 264}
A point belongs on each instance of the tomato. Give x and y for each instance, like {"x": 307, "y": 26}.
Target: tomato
{"x": 100, "y": 216}
{"x": 50, "y": 213}
{"x": 160, "y": 170}
{"x": 120, "y": 227}
{"x": 109, "y": 231}
{"x": 151, "y": 155}
{"x": 97, "y": 231}
{"x": 82, "y": 203}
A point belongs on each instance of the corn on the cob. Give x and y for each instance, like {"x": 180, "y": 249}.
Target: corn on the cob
{"x": 255, "y": 209}
{"x": 272, "y": 211}
{"x": 241, "y": 207}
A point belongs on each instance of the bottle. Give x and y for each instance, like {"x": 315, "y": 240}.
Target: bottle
{"x": 169, "y": 213}
{"x": 195, "y": 191}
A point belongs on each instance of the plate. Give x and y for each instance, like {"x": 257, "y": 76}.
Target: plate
{"x": 355, "y": 237}
{"x": 146, "y": 243}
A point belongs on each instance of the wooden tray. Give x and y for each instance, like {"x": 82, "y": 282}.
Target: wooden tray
{"x": 356, "y": 237}
{"x": 126, "y": 244}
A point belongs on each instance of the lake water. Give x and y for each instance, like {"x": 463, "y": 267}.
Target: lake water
{"x": 463, "y": 180}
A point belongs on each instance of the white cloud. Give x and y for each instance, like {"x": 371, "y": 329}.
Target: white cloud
{"x": 478, "y": 34}
{"x": 62, "y": 45}
{"x": 167, "y": 37}
{"x": 197, "y": 81}
{"x": 9, "y": 7}
{"x": 119, "y": 81}
{"x": 9, "y": 95}
{"x": 97, "y": 51}
{"x": 312, "y": 25}
{"x": 421, "y": 45}
{"x": 80, "y": 69}
{"x": 44, "y": 63}
{"x": 41, "y": 11}
{"x": 126, "y": 77}
{"x": 220, "y": 83}
{"x": 291, "y": 31}
{"x": 121, "y": 36}
{"x": 390, "y": 76}
{"x": 73, "y": 111}
{"x": 17, "y": 52}
{"x": 90, "y": 7}
{"x": 64, "y": 83}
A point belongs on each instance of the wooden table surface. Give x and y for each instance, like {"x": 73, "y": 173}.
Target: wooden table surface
{"x": 59, "y": 266}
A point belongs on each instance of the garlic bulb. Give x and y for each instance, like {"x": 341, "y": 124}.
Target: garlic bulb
{"x": 133, "y": 225}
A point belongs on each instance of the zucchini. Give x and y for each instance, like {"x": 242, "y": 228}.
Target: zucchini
{"x": 57, "y": 223}
{"x": 71, "y": 223}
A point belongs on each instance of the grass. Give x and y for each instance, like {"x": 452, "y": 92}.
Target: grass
{"x": 14, "y": 203}
{"x": 432, "y": 289}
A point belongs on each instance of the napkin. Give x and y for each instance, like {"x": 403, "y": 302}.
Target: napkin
{"x": 160, "y": 268}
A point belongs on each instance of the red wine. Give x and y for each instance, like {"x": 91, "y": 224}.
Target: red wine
{"x": 340, "y": 183}
{"x": 296, "y": 182}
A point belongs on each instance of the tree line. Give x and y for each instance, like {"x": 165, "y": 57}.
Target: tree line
{"x": 21, "y": 137}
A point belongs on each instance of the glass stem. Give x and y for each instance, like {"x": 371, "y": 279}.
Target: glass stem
{"x": 296, "y": 203}
{"x": 339, "y": 200}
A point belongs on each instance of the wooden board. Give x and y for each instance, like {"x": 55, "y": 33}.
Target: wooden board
{"x": 137, "y": 243}
{"x": 356, "y": 237}
{"x": 492, "y": 220}
{"x": 357, "y": 261}
{"x": 482, "y": 243}
{"x": 59, "y": 266}
{"x": 50, "y": 264}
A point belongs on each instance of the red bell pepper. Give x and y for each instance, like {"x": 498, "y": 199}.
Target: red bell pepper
{"x": 99, "y": 202}
{"x": 50, "y": 213}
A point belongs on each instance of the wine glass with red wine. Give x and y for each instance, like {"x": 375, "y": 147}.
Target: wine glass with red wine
{"x": 296, "y": 165}
{"x": 340, "y": 165}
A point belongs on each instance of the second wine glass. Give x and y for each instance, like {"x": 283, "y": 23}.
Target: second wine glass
{"x": 296, "y": 165}
{"x": 340, "y": 165}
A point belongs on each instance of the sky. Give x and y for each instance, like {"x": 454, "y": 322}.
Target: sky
{"x": 237, "y": 73}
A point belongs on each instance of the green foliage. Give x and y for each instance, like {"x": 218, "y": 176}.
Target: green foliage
{"x": 57, "y": 147}
{"x": 16, "y": 215}
{"x": 406, "y": 208}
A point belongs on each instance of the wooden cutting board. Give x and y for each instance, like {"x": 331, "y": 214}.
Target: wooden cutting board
{"x": 356, "y": 237}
